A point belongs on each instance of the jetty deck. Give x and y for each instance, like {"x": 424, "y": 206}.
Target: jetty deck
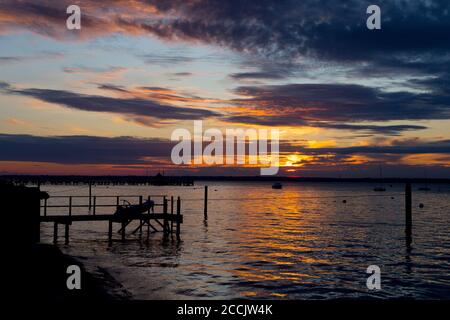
{"x": 168, "y": 220}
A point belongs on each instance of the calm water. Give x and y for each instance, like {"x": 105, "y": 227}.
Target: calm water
{"x": 300, "y": 242}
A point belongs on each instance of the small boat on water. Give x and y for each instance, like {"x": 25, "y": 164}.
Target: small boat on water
{"x": 277, "y": 185}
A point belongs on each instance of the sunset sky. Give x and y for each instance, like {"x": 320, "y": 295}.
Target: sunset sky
{"x": 105, "y": 99}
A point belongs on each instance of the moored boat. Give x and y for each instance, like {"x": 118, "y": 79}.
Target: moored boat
{"x": 277, "y": 185}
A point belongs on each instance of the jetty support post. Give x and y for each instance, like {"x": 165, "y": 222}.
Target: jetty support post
{"x": 124, "y": 225}
{"x": 45, "y": 207}
{"x": 205, "y": 205}
{"x": 171, "y": 213}
{"x": 408, "y": 209}
{"x": 140, "y": 221}
{"x": 110, "y": 223}
{"x": 55, "y": 232}
{"x": 66, "y": 233}
{"x": 178, "y": 217}
{"x": 95, "y": 205}
{"x": 90, "y": 195}
{"x": 166, "y": 221}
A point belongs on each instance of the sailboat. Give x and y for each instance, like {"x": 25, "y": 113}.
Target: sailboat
{"x": 380, "y": 187}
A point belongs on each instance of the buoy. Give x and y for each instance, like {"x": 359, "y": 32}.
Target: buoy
{"x": 392, "y": 197}
{"x": 344, "y": 201}
{"x": 421, "y": 205}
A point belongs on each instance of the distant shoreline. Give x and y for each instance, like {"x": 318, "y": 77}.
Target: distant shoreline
{"x": 148, "y": 179}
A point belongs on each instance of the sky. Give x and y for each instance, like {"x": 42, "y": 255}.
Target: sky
{"x": 105, "y": 99}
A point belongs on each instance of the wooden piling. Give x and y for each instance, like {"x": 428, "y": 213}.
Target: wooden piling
{"x": 171, "y": 213}
{"x": 70, "y": 206}
{"x": 95, "y": 205}
{"x": 110, "y": 227}
{"x": 166, "y": 222}
{"x": 123, "y": 230}
{"x": 55, "y": 232}
{"x": 178, "y": 216}
{"x": 140, "y": 221}
{"x": 408, "y": 208}
{"x": 90, "y": 195}
{"x": 66, "y": 233}
{"x": 205, "y": 205}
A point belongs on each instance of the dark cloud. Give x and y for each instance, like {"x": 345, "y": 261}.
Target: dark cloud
{"x": 326, "y": 29}
{"x": 132, "y": 106}
{"x": 414, "y": 43}
{"x": 4, "y": 85}
{"x": 402, "y": 148}
{"x": 133, "y": 153}
{"x": 182, "y": 74}
{"x": 257, "y": 75}
{"x": 414, "y": 33}
{"x": 296, "y": 122}
{"x": 7, "y": 60}
{"x": 82, "y": 149}
{"x": 287, "y": 28}
{"x": 338, "y": 106}
{"x": 83, "y": 69}
{"x": 112, "y": 87}
{"x": 166, "y": 59}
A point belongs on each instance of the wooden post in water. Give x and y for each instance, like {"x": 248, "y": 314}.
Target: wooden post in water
{"x": 70, "y": 206}
{"x": 205, "y": 205}
{"x": 90, "y": 194}
{"x": 45, "y": 207}
{"x": 95, "y": 205}
{"x": 123, "y": 230}
{"x": 55, "y": 232}
{"x": 140, "y": 221}
{"x": 166, "y": 222}
{"x": 110, "y": 231}
{"x": 178, "y": 217}
{"x": 408, "y": 209}
{"x": 171, "y": 213}
{"x": 66, "y": 233}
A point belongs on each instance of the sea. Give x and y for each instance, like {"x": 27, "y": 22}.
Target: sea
{"x": 308, "y": 240}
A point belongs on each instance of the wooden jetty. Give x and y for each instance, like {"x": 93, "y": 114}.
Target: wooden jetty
{"x": 168, "y": 221}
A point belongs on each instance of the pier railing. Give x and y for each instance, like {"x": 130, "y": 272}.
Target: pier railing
{"x": 91, "y": 203}
{"x": 170, "y": 213}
